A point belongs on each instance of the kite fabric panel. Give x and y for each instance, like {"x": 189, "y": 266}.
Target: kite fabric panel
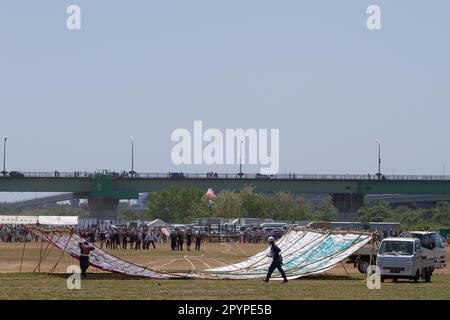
{"x": 304, "y": 253}
{"x": 98, "y": 258}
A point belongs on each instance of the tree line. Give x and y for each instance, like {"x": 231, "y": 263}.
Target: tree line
{"x": 184, "y": 205}
{"x": 187, "y": 204}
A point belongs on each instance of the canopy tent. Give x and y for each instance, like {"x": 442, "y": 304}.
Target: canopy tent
{"x": 157, "y": 222}
{"x": 44, "y": 220}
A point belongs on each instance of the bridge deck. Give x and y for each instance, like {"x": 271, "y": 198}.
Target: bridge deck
{"x": 248, "y": 176}
{"x": 125, "y": 186}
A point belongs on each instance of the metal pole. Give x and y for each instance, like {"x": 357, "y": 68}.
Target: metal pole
{"x": 132, "y": 156}
{"x": 4, "y": 156}
{"x": 379, "y": 158}
{"x": 240, "y": 158}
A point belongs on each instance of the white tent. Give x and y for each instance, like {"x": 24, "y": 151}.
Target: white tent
{"x": 157, "y": 222}
{"x": 45, "y": 220}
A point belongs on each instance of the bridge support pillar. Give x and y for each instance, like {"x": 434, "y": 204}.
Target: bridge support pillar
{"x": 347, "y": 205}
{"x": 103, "y": 208}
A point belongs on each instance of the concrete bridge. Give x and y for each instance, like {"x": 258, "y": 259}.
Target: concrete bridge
{"x": 43, "y": 201}
{"x": 103, "y": 190}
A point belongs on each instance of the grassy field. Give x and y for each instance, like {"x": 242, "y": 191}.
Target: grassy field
{"x": 338, "y": 283}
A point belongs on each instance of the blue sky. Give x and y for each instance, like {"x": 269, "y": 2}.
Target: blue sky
{"x": 69, "y": 100}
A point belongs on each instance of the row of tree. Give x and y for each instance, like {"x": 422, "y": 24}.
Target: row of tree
{"x": 187, "y": 204}
{"x": 418, "y": 219}
{"x": 183, "y": 205}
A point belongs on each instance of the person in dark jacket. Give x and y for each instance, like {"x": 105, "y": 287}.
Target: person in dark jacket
{"x": 198, "y": 240}
{"x": 277, "y": 260}
{"x": 173, "y": 240}
{"x": 85, "y": 249}
{"x": 188, "y": 239}
{"x": 180, "y": 240}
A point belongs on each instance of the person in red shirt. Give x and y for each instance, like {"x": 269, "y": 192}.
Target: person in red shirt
{"x": 85, "y": 249}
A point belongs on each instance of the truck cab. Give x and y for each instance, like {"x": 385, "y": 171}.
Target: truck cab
{"x": 403, "y": 258}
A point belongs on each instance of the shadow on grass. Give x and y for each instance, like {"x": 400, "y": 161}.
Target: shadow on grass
{"x": 328, "y": 277}
{"x": 110, "y": 276}
{"x": 113, "y": 276}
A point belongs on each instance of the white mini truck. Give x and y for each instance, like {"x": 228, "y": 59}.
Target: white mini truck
{"x": 400, "y": 258}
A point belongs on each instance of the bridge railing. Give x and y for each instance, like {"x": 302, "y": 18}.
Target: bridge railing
{"x": 245, "y": 176}
{"x": 56, "y": 174}
{"x": 289, "y": 176}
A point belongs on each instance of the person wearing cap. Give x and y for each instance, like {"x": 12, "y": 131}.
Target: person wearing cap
{"x": 277, "y": 260}
{"x": 85, "y": 248}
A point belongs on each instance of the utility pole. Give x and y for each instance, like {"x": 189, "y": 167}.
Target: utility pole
{"x": 379, "y": 159}
{"x": 132, "y": 172}
{"x": 4, "y": 172}
{"x": 240, "y": 159}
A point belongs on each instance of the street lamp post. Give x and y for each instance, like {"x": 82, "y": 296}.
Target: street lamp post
{"x": 379, "y": 158}
{"x": 132, "y": 172}
{"x": 4, "y": 156}
{"x": 240, "y": 159}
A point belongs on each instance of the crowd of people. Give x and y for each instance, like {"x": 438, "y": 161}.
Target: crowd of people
{"x": 179, "y": 237}
{"x": 11, "y": 233}
{"x": 253, "y": 236}
{"x": 142, "y": 238}
{"x": 118, "y": 238}
{"x": 382, "y": 234}
{"x": 137, "y": 238}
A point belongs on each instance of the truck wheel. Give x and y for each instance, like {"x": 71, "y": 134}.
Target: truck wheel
{"x": 363, "y": 265}
{"x": 394, "y": 279}
{"x": 417, "y": 276}
{"x": 427, "y": 275}
{"x": 382, "y": 278}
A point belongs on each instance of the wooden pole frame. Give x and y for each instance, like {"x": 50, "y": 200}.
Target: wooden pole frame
{"x": 52, "y": 270}
{"x": 40, "y": 254}
{"x": 23, "y": 253}
{"x": 45, "y": 254}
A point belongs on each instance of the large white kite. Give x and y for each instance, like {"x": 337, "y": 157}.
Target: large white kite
{"x": 304, "y": 252}
{"x": 69, "y": 243}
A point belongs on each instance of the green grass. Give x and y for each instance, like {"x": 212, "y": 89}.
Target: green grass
{"x": 109, "y": 286}
{"x": 335, "y": 284}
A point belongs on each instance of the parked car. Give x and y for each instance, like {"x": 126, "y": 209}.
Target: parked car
{"x": 262, "y": 176}
{"x": 275, "y": 232}
{"x": 275, "y": 225}
{"x": 16, "y": 174}
{"x": 176, "y": 175}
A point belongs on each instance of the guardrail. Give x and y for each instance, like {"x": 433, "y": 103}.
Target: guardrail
{"x": 216, "y": 176}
